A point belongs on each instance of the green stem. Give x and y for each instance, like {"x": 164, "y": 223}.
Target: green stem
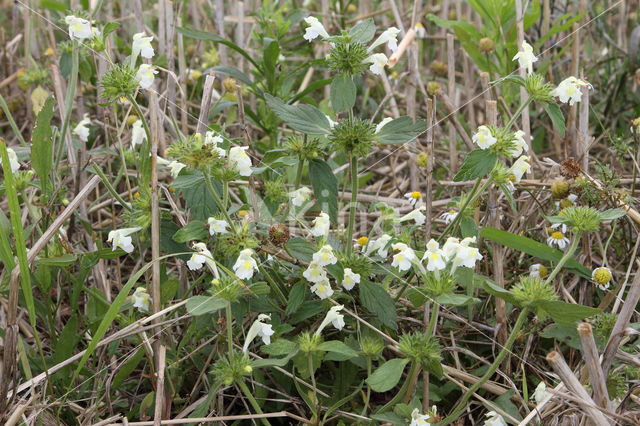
{"x": 313, "y": 383}
{"x": 225, "y": 195}
{"x": 434, "y": 318}
{"x": 68, "y": 104}
{"x": 296, "y": 184}
{"x": 252, "y": 400}
{"x": 274, "y": 285}
{"x": 12, "y": 123}
{"x": 354, "y": 201}
{"x": 518, "y": 112}
{"x": 492, "y": 369}
{"x": 567, "y": 255}
{"x": 475, "y": 192}
{"x": 141, "y": 117}
{"x": 110, "y": 188}
{"x": 366, "y": 402}
{"x": 229, "y": 331}
{"x": 218, "y": 202}
{"x": 401, "y": 392}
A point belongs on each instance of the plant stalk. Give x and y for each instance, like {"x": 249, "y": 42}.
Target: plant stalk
{"x": 567, "y": 255}
{"x": 354, "y": 201}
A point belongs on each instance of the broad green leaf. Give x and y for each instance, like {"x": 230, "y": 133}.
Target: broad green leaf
{"x": 296, "y": 297}
{"x": 300, "y": 249}
{"x": 478, "y": 163}
{"x": 387, "y": 376}
{"x": 270, "y": 60}
{"x": 54, "y": 5}
{"x": 563, "y": 333}
{"x": 400, "y": 130}
{"x": 453, "y": 299}
{"x": 554, "y": 112}
{"x": 390, "y": 417}
{"x": 566, "y": 313}
{"x": 64, "y": 260}
{"x": 511, "y": 78}
{"x": 201, "y": 305}
{"x": 468, "y": 227}
{"x": 378, "y": 302}
{"x": 303, "y": 118}
{"x": 363, "y": 31}
{"x": 168, "y": 290}
{"x": 41, "y": 146}
{"x": 612, "y": 214}
{"x": 325, "y": 188}
{"x": 233, "y": 72}
{"x": 128, "y": 367}
{"x": 194, "y": 230}
{"x": 203, "y": 35}
{"x": 499, "y": 292}
{"x": 343, "y": 351}
{"x": 534, "y": 248}
{"x": 272, "y": 362}
{"x": 109, "y": 28}
{"x": 196, "y": 194}
{"x": 343, "y": 93}
{"x": 280, "y": 347}
{"x": 67, "y": 340}
{"x": 416, "y": 296}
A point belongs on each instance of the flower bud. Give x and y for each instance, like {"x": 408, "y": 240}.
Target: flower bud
{"x": 422, "y": 159}
{"x": 439, "y": 68}
{"x": 486, "y": 45}
{"x": 559, "y": 189}
{"x": 132, "y": 119}
{"x": 229, "y": 84}
{"x": 432, "y": 88}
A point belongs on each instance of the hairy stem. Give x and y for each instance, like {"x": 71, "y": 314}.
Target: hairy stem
{"x": 567, "y": 255}
{"x": 354, "y": 201}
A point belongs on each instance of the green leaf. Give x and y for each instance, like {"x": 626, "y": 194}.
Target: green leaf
{"x": 453, "y": 299}
{"x": 468, "y": 227}
{"x": 300, "y": 249}
{"x": 296, "y": 297}
{"x": 387, "y": 376}
{"x": 343, "y": 351}
{"x": 196, "y": 195}
{"x": 233, "y": 72}
{"x": 325, "y": 188}
{"x": 401, "y": 130}
{"x": 416, "y": 296}
{"x": 612, "y": 214}
{"x": 343, "y": 93}
{"x": 511, "y": 78}
{"x": 303, "y": 118}
{"x": 378, "y": 302}
{"x": 478, "y": 163}
{"x": 390, "y": 417}
{"x": 194, "y": 230}
{"x": 563, "y": 333}
{"x": 534, "y": 248}
{"x": 273, "y": 362}
{"x": 566, "y": 313}
{"x": 125, "y": 371}
{"x": 499, "y": 292}
{"x": 41, "y": 146}
{"x": 109, "y": 28}
{"x": 280, "y": 347}
{"x": 168, "y": 290}
{"x": 270, "y": 60}
{"x": 64, "y": 260}
{"x": 558, "y": 27}
{"x": 201, "y": 305}
{"x": 203, "y": 35}
{"x": 53, "y": 5}
{"x": 363, "y": 31}
{"x": 554, "y": 112}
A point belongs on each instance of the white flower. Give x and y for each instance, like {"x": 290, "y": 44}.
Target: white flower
{"x": 239, "y": 158}
{"x": 141, "y": 299}
{"x": 379, "y": 245}
{"x": 418, "y": 419}
{"x": 483, "y": 138}
{"x": 145, "y": 75}
{"x": 390, "y": 37}
{"x": 538, "y": 270}
{"x": 405, "y": 256}
{"x": 466, "y": 256}
{"x": 350, "y": 279}
{"x": 314, "y": 272}
{"x": 300, "y": 196}
{"x": 81, "y": 130}
{"x": 321, "y": 225}
{"x": 449, "y": 216}
{"x": 78, "y": 28}
{"x": 451, "y": 246}
{"x": 245, "y": 265}
{"x": 415, "y": 215}
{"x": 435, "y": 256}
{"x": 13, "y": 160}
{"x": 213, "y": 140}
{"x": 332, "y": 317}
{"x": 602, "y": 276}
{"x": 201, "y": 256}
{"x": 520, "y": 144}
{"x": 414, "y": 198}
{"x": 325, "y": 256}
{"x": 174, "y": 166}
{"x": 383, "y": 123}
{"x": 259, "y": 328}
{"x": 138, "y": 135}
{"x": 142, "y": 46}
{"x": 119, "y": 238}
{"x": 525, "y": 57}
{"x": 494, "y": 419}
{"x": 540, "y": 393}
{"x": 331, "y": 122}
{"x": 314, "y": 29}
{"x": 520, "y": 167}
{"x": 322, "y": 289}
{"x": 217, "y": 226}
{"x": 558, "y": 238}
{"x": 569, "y": 90}
{"x": 421, "y": 32}
{"x": 377, "y": 61}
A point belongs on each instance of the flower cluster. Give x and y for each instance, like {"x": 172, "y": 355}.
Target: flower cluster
{"x": 454, "y": 251}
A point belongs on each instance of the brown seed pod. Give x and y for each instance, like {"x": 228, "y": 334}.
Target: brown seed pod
{"x": 279, "y": 234}
{"x": 570, "y": 168}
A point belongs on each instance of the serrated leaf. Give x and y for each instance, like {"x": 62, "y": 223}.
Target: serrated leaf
{"x": 378, "y": 302}
{"x": 196, "y": 194}
{"x": 41, "y": 146}
{"x": 416, "y": 297}
{"x": 555, "y": 114}
{"x": 478, "y": 163}
{"x": 280, "y": 347}
{"x": 109, "y": 28}
{"x": 201, "y": 305}
{"x": 325, "y": 188}
{"x": 387, "y": 376}
{"x": 303, "y": 118}
{"x": 342, "y": 93}
{"x": 499, "y": 292}
{"x": 194, "y": 230}
{"x": 296, "y": 297}
{"x": 400, "y": 130}
{"x": 564, "y": 313}
{"x": 300, "y": 249}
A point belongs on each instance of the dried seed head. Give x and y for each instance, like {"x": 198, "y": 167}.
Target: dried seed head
{"x": 559, "y": 189}
{"x": 570, "y": 168}
{"x": 439, "y": 68}
{"x": 279, "y": 234}
{"x": 486, "y": 45}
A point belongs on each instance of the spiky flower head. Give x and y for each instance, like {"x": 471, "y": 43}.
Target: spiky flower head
{"x": 486, "y": 45}
{"x": 371, "y": 345}
{"x": 118, "y": 82}
{"x": 437, "y": 284}
{"x": 354, "y": 136}
{"x": 226, "y": 288}
{"x": 559, "y": 189}
{"x": 580, "y": 219}
{"x": 420, "y": 348}
{"x": 538, "y": 88}
{"x": 347, "y": 57}
{"x": 422, "y": 159}
{"x": 531, "y": 289}
{"x": 195, "y": 153}
{"x": 227, "y": 371}
{"x": 309, "y": 150}
{"x": 309, "y": 342}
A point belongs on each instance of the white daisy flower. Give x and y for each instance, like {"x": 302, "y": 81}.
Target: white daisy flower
{"x": 120, "y": 238}
{"x": 538, "y": 270}
{"x": 325, "y": 256}
{"x": 78, "y": 28}
{"x": 81, "y": 130}
{"x": 138, "y": 135}
{"x": 404, "y": 258}
{"x": 525, "y": 57}
{"x": 350, "y": 279}
{"x": 484, "y": 138}
{"x": 333, "y": 317}
{"x": 559, "y": 239}
{"x": 449, "y": 216}
{"x": 239, "y": 158}
{"x": 602, "y": 276}
{"x": 142, "y": 46}
{"x": 377, "y": 61}
{"x": 245, "y": 265}
{"x": 321, "y": 225}
{"x": 217, "y": 226}
{"x": 141, "y": 299}
{"x": 322, "y": 289}
{"x": 390, "y": 37}
{"x": 314, "y": 29}
{"x": 145, "y": 75}
{"x": 259, "y": 329}
{"x": 568, "y": 91}
{"x": 300, "y": 196}
{"x": 315, "y": 272}
{"x": 414, "y": 198}
{"x": 13, "y": 160}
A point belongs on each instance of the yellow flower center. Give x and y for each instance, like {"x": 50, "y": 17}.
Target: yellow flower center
{"x": 325, "y": 257}
{"x": 321, "y": 288}
{"x": 362, "y": 241}
{"x": 399, "y": 257}
{"x": 434, "y": 256}
{"x": 602, "y": 276}
{"x": 557, "y": 235}
{"x": 247, "y": 264}
{"x": 543, "y": 271}
{"x": 243, "y": 213}
{"x": 416, "y": 195}
{"x": 452, "y": 211}
{"x": 348, "y": 280}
